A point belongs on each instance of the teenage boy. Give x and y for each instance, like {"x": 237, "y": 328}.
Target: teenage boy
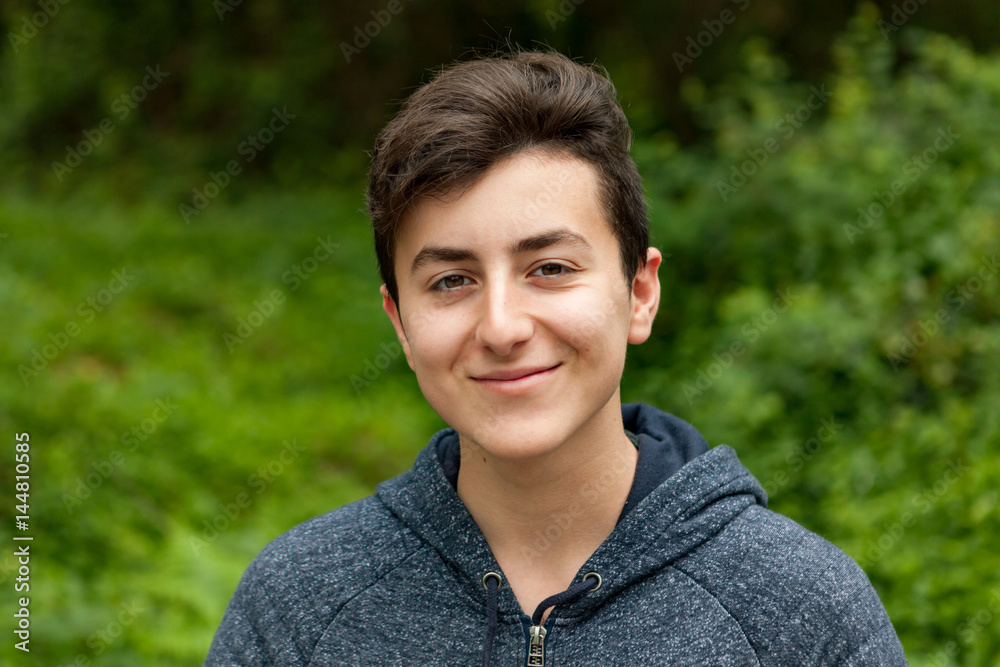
{"x": 550, "y": 525}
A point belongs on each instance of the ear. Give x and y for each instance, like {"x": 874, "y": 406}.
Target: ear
{"x": 645, "y": 298}
{"x": 389, "y": 306}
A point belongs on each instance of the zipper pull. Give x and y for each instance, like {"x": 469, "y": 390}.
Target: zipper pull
{"x": 536, "y": 649}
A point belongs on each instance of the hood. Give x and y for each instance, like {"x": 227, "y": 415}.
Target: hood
{"x": 681, "y": 513}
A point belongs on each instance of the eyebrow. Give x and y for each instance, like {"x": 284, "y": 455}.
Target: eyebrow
{"x": 436, "y": 253}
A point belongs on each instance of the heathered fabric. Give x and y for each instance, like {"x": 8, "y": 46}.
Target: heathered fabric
{"x": 698, "y": 572}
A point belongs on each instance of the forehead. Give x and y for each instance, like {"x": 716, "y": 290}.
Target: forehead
{"x": 527, "y": 194}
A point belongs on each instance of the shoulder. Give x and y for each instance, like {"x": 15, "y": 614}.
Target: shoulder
{"x": 793, "y": 592}
{"x": 298, "y": 583}
{"x": 334, "y": 554}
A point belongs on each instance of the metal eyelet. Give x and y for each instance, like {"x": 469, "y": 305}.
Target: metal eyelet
{"x": 498, "y": 578}
{"x": 599, "y": 580}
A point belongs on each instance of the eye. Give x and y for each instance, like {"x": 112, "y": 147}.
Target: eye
{"x": 449, "y": 283}
{"x": 552, "y": 270}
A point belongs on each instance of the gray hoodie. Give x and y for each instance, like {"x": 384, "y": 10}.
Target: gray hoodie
{"x": 697, "y": 572}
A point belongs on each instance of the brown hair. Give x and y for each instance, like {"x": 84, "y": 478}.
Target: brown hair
{"x": 475, "y": 114}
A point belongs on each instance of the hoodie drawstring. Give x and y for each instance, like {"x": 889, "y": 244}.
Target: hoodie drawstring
{"x": 492, "y": 582}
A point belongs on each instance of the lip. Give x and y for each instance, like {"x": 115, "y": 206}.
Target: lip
{"x": 515, "y": 380}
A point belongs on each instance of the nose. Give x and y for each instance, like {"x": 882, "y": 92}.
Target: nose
{"x": 503, "y": 322}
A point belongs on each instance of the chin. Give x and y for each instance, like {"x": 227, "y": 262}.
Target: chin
{"x": 510, "y": 449}
{"x": 514, "y": 439}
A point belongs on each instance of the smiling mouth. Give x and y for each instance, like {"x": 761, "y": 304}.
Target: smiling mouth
{"x": 516, "y": 381}
{"x": 513, "y": 375}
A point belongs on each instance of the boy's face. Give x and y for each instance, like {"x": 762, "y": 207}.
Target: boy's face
{"x": 516, "y": 313}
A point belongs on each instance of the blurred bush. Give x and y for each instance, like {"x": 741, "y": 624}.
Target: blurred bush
{"x": 66, "y": 64}
{"x": 850, "y": 357}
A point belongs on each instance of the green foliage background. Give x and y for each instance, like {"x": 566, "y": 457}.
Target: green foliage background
{"x": 852, "y": 349}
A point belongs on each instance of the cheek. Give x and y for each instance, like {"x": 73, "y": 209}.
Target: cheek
{"x": 592, "y": 325}
{"x": 435, "y": 340}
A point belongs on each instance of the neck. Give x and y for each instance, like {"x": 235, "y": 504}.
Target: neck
{"x": 551, "y": 511}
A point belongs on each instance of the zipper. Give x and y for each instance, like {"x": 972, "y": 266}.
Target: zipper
{"x": 536, "y": 646}
{"x": 537, "y": 633}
